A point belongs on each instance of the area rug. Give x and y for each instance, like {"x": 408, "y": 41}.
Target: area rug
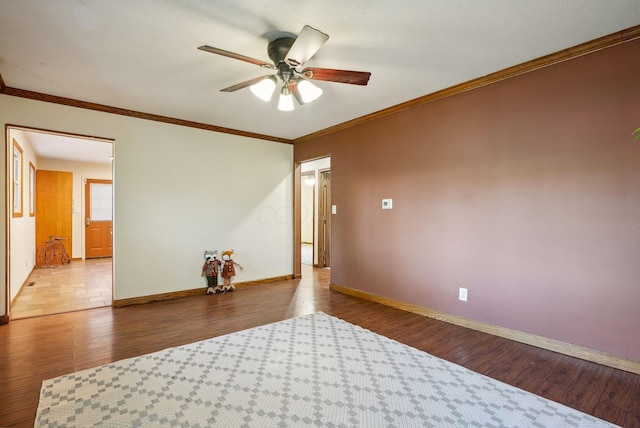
{"x": 315, "y": 370}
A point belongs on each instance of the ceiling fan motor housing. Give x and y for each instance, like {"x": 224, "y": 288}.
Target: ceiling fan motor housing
{"x": 278, "y": 49}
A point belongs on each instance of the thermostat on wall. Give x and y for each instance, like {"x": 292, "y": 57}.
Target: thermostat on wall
{"x": 387, "y": 204}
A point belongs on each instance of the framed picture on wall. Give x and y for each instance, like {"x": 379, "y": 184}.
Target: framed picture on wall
{"x": 32, "y": 190}
{"x": 17, "y": 180}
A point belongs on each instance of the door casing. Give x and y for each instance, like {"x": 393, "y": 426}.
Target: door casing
{"x": 324, "y": 218}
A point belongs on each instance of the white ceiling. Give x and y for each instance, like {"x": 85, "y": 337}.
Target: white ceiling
{"x": 142, "y": 55}
{"x": 68, "y": 147}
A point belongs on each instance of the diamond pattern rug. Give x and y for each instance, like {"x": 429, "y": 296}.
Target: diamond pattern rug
{"x": 315, "y": 370}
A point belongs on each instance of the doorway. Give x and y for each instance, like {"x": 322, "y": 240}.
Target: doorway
{"x": 314, "y": 206}
{"x": 50, "y": 154}
{"x": 307, "y": 217}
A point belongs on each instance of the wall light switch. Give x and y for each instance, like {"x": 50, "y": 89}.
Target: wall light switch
{"x": 387, "y": 204}
{"x": 334, "y": 209}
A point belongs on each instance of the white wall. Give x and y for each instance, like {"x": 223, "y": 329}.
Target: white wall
{"x": 179, "y": 191}
{"x": 81, "y": 171}
{"x": 23, "y": 255}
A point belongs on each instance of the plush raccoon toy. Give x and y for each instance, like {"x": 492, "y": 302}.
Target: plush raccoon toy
{"x": 210, "y": 270}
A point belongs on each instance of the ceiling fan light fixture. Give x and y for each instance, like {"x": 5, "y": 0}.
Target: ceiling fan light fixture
{"x": 264, "y": 88}
{"x": 308, "y": 91}
{"x": 286, "y": 100}
{"x": 287, "y": 53}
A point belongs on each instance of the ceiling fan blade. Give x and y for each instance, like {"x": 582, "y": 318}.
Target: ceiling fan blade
{"x": 306, "y": 45}
{"x": 233, "y": 55}
{"x": 293, "y": 88}
{"x": 244, "y": 84}
{"x": 340, "y": 76}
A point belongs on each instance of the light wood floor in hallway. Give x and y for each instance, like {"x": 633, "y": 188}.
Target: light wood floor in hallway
{"x": 79, "y": 285}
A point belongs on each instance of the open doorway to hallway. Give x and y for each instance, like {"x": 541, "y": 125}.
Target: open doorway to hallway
{"x": 55, "y": 210}
{"x": 315, "y": 212}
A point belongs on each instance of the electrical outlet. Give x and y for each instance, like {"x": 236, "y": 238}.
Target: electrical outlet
{"x": 462, "y": 294}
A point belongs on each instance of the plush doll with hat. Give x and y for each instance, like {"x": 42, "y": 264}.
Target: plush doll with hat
{"x": 228, "y": 270}
{"x": 210, "y": 270}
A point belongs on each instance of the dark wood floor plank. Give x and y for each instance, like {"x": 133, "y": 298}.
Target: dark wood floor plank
{"x": 542, "y": 364}
{"x": 588, "y": 388}
{"x": 35, "y": 349}
{"x": 616, "y": 397}
{"x": 561, "y": 380}
{"x": 515, "y": 360}
{"x": 632, "y": 419}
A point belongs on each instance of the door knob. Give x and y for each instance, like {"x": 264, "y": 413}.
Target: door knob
{"x": 87, "y": 222}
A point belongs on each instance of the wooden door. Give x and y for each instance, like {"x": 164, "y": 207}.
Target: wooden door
{"x": 324, "y": 219}
{"x": 54, "y": 199}
{"x": 98, "y": 221}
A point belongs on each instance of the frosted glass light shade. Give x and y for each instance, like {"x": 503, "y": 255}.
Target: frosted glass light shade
{"x": 286, "y": 100}
{"x": 308, "y": 91}
{"x": 264, "y": 88}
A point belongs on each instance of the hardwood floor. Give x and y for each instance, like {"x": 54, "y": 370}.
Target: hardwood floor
{"x": 82, "y": 284}
{"x": 35, "y": 349}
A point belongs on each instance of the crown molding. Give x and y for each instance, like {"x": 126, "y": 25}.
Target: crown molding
{"x": 38, "y": 96}
{"x": 582, "y": 49}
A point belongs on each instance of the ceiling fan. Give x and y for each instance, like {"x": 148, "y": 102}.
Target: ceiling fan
{"x": 289, "y": 54}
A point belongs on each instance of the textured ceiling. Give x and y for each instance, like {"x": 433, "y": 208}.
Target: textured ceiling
{"x": 71, "y": 148}
{"x": 142, "y": 55}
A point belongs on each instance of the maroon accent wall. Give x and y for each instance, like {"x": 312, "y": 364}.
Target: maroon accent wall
{"x": 526, "y": 192}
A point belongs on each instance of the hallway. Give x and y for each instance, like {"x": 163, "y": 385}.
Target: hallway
{"x": 82, "y": 284}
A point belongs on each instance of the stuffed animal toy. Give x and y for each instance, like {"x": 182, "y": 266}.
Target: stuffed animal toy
{"x": 210, "y": 270}
{"x": 228, "y": 270}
